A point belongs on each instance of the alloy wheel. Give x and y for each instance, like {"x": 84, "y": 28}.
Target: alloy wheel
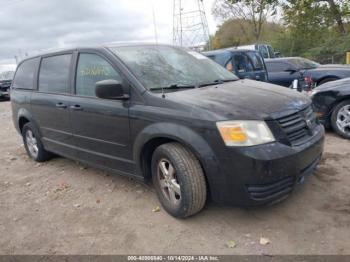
{"x": 343, "y": 119}
{"x": 168, "y": 182}
{"x": 32, "y": 144}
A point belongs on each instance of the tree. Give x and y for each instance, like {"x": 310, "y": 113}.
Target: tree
{"x": 306, "y": 25}
{"x": 337, "y": 10}
{"x": 240, "y": 32}
{"x": 253, "y": 12}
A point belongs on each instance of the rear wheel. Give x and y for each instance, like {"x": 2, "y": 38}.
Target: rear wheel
{"x": 179, "y": 180}
{"x": 33, "y": 144}
{"x": 340, "y": 119}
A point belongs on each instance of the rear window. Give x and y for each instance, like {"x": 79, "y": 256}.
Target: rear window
{"x": 24, "y": 77}
{"x": 54, "y": 74}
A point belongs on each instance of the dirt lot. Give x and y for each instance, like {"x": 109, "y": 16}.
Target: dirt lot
{"x": 61, "y": 207}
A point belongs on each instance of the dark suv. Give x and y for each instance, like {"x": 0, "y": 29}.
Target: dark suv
{"x": 162, "y": 113}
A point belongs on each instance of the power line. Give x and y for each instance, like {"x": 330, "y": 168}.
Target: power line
{"x": 190, "y": 26}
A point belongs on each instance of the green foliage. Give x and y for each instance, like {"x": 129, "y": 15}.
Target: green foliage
{"x": 239, "y": 32}
{"x": 333, "y": 50}
{"x": 316, "y": 29}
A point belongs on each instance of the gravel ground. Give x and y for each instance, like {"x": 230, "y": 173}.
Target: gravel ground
{"x": 61, "y": 207}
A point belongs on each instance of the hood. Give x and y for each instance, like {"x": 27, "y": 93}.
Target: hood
{"x": 342, "y": 83}
{"x": 333, "y": 67}
{"x": 242, "y": 99}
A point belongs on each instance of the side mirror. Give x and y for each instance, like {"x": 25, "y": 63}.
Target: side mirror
{"x": 110, "y": 89}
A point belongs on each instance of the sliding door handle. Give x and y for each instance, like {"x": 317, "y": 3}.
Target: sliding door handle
{"x": 76, "y": 108}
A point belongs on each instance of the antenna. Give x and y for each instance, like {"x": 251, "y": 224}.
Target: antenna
{"x": 190, "y": 26}
{"x": 154, "y": 23}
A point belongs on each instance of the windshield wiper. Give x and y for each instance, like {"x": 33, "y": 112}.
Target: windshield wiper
{"x": 216, "y": 82}
{"x": 174, "y": 86}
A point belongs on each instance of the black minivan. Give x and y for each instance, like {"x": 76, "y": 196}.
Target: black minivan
{"x": 170, "y": 115}
{"x": 243, "y": 63}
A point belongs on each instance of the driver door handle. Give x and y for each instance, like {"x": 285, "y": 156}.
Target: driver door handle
{"x": 61, "y": 105}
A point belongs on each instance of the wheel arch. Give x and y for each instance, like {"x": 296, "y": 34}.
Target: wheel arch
{"x": 337, "y": 102}
{"x": 157, "y": 134}
{"x": 23, "y": 117}
{"x": 319, "y": 81}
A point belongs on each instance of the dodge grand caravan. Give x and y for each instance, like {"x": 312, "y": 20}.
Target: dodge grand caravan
{"x": 168, "y": 115}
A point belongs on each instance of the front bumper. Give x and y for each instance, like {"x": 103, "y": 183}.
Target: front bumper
{"x": 264, "y": 174}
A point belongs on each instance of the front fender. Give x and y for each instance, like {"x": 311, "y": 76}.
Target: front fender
{"x": 182, "y": 134}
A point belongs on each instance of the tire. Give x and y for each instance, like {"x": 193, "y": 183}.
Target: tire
{"x": 187, "y": 179}
{"x": 326, "y": 80}
{"x": 29, "y": 132}
{"x": 338, "y": 114}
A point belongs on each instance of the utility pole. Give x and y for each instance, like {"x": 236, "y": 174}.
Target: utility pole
{"x": 190, "y": 26}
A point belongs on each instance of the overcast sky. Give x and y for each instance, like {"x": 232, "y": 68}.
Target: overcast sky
{"x": 31, "y": 26}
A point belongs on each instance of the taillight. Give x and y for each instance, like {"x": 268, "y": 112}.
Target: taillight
{"x": 229, "y": 66}
{"x": 309, "y": 82}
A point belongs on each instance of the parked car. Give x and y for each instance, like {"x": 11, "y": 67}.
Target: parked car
{"x": 170, "y": 115}
{"x": 331, "y": 102}
{"x": 266, "y": 51}
{"x": 243, "y": 63}
{"x": 283, "y": 71}
{"x": 5, "y": 83}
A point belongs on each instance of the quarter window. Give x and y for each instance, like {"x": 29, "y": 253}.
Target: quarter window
{"x": 54, "y": 74}
{"x": 91, "y": 69}
{"x": 25, "y": 75}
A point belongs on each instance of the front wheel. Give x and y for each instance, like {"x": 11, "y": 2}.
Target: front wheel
{"x": 179, "y": 180}
{"x": 340, "y": 119}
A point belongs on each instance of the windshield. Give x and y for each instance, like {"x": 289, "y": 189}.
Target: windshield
{"x": 165, "y": 66}
{"x": 302, "y": 63}
{"x": 7, "y": 75}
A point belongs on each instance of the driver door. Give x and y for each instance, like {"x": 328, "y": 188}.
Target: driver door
{"x": 100, "y": 126}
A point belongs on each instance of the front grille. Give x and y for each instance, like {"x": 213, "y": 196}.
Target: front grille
{"x": 271, "y": 191}
{"x": 298, "y": 126}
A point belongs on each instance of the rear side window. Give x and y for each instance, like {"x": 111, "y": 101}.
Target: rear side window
{"x": 91, "y": 69}
{"x": 54, "y": 74}
{"x": 25, "y": 75}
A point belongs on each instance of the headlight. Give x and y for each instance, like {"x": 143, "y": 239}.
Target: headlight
{"x": 245, "y": 133}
